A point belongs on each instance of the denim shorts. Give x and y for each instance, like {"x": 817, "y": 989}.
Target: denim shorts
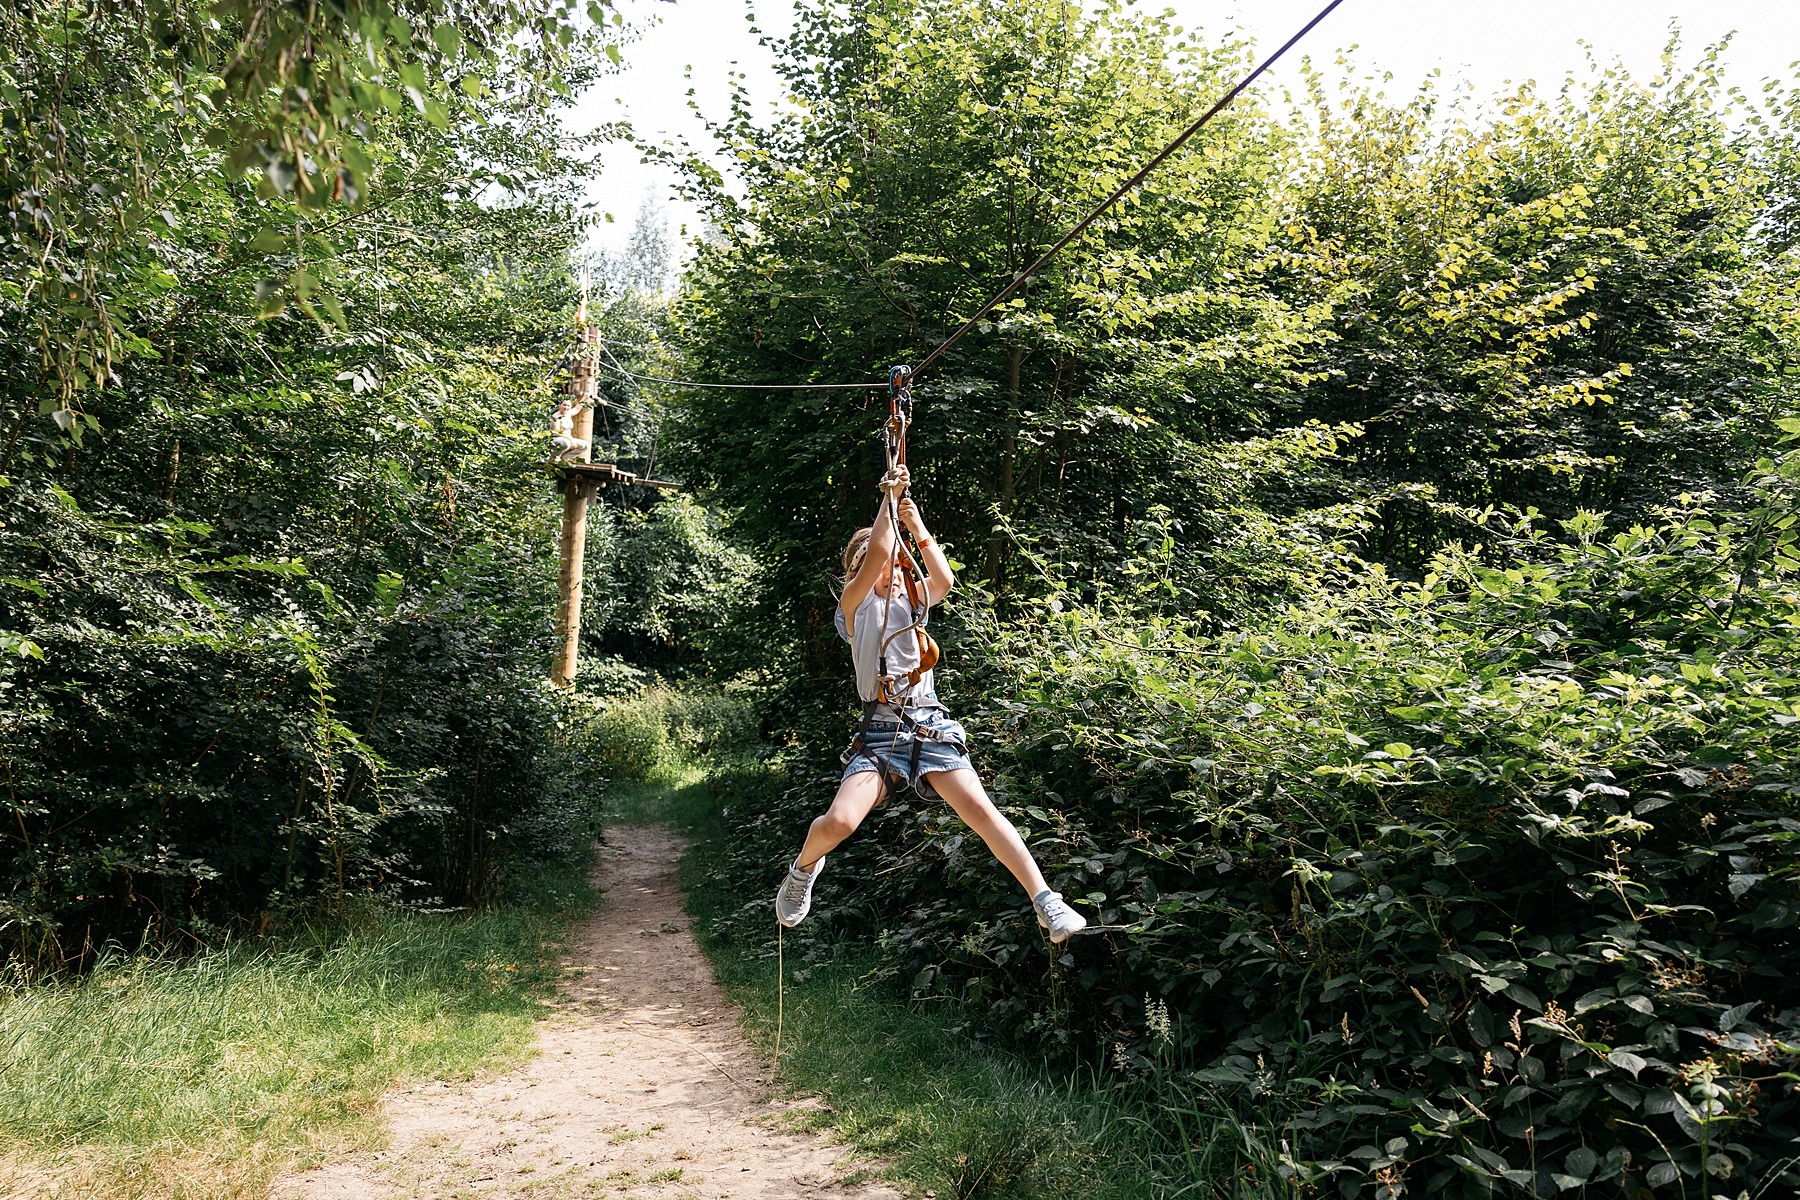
{"x": 885, "y": 744}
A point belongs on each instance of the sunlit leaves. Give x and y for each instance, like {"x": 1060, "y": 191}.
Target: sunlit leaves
{"x": 123, "y": 120}
{"x": 274, "y": 461}
{"x": 1551, "y": 305}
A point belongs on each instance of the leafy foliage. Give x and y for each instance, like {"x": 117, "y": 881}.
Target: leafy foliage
{"x": 660, "y": 726}
{"x": 1388, "y": 624}
{"x": 1576, "y": 303}
{"x": 674, "y": 594}
{"x": 935, "y": 149}
{"x": 1477, "y": 882}
{"x": 1345, "y": 331}
{"x": 279, "y": 554}
{"x": 1490, "y": 845}
{"x": 121, "y": 119}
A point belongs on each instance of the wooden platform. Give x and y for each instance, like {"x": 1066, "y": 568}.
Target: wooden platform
{"x": 598, "y": 473}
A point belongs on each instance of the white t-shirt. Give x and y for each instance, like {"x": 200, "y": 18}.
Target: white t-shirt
{"x": 895, "y": 614}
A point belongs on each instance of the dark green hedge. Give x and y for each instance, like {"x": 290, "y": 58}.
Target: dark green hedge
{"x": 1480, "y": 884}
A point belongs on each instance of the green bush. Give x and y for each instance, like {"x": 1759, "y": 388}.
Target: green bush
{"x": 268, "y": 742}
{"x": 274, "y": 640}
{"x": 604, "y": 677}
{"x": 712, "y": 720}
{"x": 1481, "y": 882}
{"x": 1484, "y": 882}
{"x": 638, "y": 732}
{"x": 634, "y": 734}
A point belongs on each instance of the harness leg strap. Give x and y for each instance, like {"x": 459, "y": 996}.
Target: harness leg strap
{"x": 860, "y": 742}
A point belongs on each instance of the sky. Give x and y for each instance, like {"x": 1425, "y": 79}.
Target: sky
{"x": 1490, "y": 44}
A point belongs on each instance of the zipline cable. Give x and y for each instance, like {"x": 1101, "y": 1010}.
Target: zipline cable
{"x": 1181, "y": 140}
{"x": 1019, "y": 280}
{"x": 748, "y": 387}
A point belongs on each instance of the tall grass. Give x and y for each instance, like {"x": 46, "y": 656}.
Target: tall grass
{"x": 661, "y": 725}
{"x": 207, "y": 1075}
{"x": 674, "y": 791}
{"x": 157, "y": 1075}
{"x": 904, "y": 1083}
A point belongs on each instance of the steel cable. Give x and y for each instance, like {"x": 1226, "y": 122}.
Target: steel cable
{"x": 1025, "y": 275}
{"x": 748, "y": 387}
{"x": 1119, "y": 193}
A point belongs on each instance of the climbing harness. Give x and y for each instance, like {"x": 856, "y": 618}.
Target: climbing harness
{"x": 894, "y": 689}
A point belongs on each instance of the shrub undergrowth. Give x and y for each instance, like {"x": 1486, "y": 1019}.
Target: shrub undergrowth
{"x": 661, "y": 725}
{"x": 1477, "y": 884}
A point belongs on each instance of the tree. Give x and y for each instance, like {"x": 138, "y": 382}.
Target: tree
{"x": 934, "y": 149}
{"x": 1581, "y": 301}
{"x": 279, "y": 578}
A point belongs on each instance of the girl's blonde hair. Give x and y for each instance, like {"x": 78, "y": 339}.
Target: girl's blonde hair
{"x": 856, "y": 550}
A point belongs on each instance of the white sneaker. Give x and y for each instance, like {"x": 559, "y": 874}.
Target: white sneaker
{"x": 1056, "y": 916}
{"x": 793, "y": 899}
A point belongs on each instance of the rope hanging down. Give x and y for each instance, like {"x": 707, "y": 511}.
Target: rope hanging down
{"x": 1119, "y": 193}
{"x": 896, "y": 687}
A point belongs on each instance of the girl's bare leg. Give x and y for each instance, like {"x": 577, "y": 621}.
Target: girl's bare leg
{"x": 962, "y": 790}
{"x": 856, "y": 798}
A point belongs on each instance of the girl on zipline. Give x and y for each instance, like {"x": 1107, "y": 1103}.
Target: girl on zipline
{"x": 907, "y": 739}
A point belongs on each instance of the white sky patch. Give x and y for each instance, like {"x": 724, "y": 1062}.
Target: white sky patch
{"x": 1489, "y": 45}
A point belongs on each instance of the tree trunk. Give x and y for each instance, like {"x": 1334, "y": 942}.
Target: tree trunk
{"x": 1009, "y": 452}
{"x": 573, "y": 550}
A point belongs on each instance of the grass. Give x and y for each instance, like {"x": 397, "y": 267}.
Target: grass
{"x": 946, "y": 1114}
{"x": 207, "y": 1076}
{"x": 674, "y": 792}
{"x": 898, "y": 1082}
{"x": 210, "y": 1075}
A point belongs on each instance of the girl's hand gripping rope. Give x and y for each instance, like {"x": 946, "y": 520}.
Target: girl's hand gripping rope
{"x": 909, "y": 517}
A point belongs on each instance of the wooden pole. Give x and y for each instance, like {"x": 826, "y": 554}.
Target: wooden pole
{"x": 573, "y": 549}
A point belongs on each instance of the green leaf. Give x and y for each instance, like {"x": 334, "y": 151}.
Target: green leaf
{"x": 388, "y": 589}
{"x": 1626, "y": 1061}
{"x": 333, "y": 309}
{"x": 15, "y": 646}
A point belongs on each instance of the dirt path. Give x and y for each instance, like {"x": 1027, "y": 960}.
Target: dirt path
{"x": 642, "y": 1085}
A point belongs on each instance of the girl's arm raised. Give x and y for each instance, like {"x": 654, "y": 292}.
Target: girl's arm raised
{"x": 939, "y": 578}
{"x": 878, "y": 558}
